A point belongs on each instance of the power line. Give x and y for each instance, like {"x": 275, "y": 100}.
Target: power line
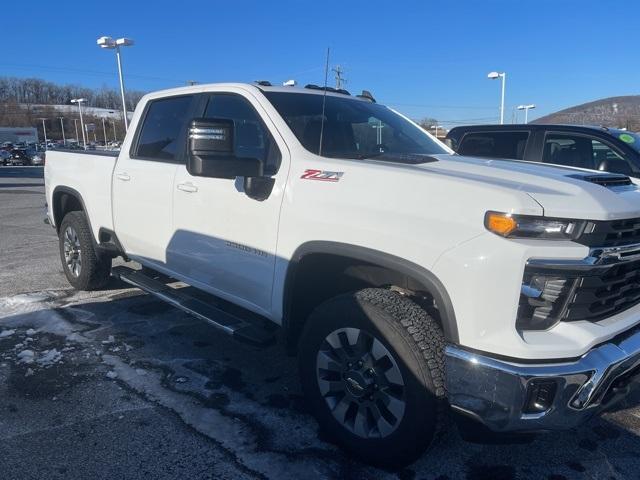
{"x": 85, "y": 71}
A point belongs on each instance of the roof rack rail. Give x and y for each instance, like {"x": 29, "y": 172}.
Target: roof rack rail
{"x": 312, "y": 86}
{"x": 263, "y": 83}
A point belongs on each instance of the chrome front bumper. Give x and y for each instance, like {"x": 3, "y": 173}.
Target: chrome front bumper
{"x": 495, "y": 392}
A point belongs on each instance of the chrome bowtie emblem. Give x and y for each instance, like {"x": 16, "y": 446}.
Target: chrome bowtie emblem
{"x": 355, "y": 384}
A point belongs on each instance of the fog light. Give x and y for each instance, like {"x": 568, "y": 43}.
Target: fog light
{"x": 540, "y": 395}
{"x": 542, "y": 300}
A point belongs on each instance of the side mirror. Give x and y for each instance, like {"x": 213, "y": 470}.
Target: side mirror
{"x": 211, "y": 151}
{"x": 449, "y": 143}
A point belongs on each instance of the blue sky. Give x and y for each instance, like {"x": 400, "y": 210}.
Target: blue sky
{"x": 425, "y": 58}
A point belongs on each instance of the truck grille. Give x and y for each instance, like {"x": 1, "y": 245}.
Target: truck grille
{"x": 549, "y": 296}
{"x": 613, "y": 233}
{"x": 598, "y": 297}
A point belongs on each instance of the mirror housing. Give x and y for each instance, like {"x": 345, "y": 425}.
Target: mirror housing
{"x": 211, "y": 154}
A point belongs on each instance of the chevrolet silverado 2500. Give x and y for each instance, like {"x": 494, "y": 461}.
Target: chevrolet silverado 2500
{"x": 406, "y": 277}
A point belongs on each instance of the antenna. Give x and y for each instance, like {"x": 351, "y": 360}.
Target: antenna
{"x": 324, "y": 101}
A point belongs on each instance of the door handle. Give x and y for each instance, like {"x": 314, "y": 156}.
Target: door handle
{"x": 123, "y": 176}
{"x": 187, "y": 187}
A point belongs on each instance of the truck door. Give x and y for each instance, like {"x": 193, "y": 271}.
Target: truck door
{"x": 143, "y": 179}
{"x": 224, "y": 241}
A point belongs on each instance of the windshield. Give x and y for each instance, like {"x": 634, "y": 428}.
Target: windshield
{"x": 353, "y": 128}
{"x": 630, "y": 138}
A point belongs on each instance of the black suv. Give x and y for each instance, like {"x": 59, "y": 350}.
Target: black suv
{"x": 596, "y": 148}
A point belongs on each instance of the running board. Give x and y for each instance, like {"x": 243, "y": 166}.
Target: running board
{"x": 229, "y": 323}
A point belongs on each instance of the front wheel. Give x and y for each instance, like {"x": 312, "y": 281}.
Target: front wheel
{"x": 372, "y": 369}
{"x": 84, "y": 268}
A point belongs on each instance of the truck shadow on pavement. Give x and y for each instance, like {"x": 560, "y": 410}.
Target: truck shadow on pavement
{"x": 246, "y": 400}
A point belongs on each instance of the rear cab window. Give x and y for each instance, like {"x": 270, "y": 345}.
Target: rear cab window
{"x": 496, "y": 144}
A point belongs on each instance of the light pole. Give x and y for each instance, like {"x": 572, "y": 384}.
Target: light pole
{"x": 104, "y": 130}
{"x": 503, "y": 76}
{"x": 44, "y": 129}
{"x": 75, "y": 122}
{"x": 436, "y": 127}
{"x": 526, "y": 109}
{"x": 64, "y": 139}
{"x": 79, "y": 102}
{"x": 379, "y": 128}
{"x": 113, "y": 123}
{"x": 111, "y": 44}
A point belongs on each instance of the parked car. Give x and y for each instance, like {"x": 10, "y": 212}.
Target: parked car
{"x": 595, "y": 148}
{"x": 405, "y": 277}
{"x": 37, "y": 159}
{"x": 5, "y": 157}
{"x": 20, "y": 157}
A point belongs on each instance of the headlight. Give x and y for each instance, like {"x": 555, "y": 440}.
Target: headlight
{"x": 528, "y": 226}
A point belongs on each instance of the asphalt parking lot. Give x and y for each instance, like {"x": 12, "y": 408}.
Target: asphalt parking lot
{"x": 115, "y": 384}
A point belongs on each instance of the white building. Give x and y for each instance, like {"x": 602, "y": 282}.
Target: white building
{"x": 18, "y": 134}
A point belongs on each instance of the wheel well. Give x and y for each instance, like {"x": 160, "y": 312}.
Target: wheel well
{"x": 317, "y": 277}
{"x": 63, "y": 203}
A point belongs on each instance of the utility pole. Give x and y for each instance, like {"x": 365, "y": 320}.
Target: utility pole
{"x": 64, "y": 140}
{"x": 104, "y": 130}
{"x": 340, "y": 80}
{"x": 113, "y": 122}
{"x": 44, "y": 129}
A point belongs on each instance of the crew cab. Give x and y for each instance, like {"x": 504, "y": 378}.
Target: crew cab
{"x": 405, "y": 277}
{"x": 595, "y": 148}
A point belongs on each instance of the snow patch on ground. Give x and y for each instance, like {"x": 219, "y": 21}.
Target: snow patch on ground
{"x": 28, "y": 302}
{"x": 6, "y": 333}
{"x": 49, "y": 357}
{"x": 231, "y": 433}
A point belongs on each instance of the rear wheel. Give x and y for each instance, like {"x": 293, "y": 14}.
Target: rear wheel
{"x": 84, "y": 268}
{"x": 372, "y": 368}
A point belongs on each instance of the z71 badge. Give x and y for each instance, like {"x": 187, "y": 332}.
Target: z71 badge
{"x": 322, "y": 175}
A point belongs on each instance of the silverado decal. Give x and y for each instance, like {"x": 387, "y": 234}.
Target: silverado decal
{"x": 322, "y": 175}
{"x": 247, "y": 249}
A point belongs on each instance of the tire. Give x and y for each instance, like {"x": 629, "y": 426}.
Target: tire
{"x": 333, "y": 381}
{"x": 76, "y": 243}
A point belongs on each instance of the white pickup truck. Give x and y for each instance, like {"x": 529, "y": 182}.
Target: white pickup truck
{"x": 406, "y": 277}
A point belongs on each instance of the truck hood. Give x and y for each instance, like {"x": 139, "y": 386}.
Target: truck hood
{"x": 561, "y": 191}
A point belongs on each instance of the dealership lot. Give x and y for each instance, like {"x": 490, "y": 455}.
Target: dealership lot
{"x": 117, "y": 384}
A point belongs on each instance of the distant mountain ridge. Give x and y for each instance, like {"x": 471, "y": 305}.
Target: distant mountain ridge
{"x": 621, "y": 112}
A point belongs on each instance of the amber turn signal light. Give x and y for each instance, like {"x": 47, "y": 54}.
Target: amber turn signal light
{"x": 500, "y": 223}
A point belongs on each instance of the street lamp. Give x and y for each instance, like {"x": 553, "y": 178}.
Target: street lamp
{"x": 44, "y": 129}
{"x": 436, "y": 127}
{"x": 64, "y": 140}
{"x": 526, "y": 109}
{"x": 503, "y": 76}
{"x": 79, "y": 102}
{"x": 111, "y": 44}
{"x": 104, "y": 130}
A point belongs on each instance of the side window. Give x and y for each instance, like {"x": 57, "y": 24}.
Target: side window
{"x": 609, "y": 160}
{"x": 163, "y": 123}
{"x": 494, "y": 144}
{"x": 252, "y": 138}
{"x": 585, "y": 152}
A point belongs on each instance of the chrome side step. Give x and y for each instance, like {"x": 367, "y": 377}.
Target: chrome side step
{"x": 240, "y": 328}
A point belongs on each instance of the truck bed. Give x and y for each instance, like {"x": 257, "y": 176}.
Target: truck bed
{"x": 89, "y": 173}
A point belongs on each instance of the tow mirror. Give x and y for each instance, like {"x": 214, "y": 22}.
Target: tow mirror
{"x": 211, "y": 152}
